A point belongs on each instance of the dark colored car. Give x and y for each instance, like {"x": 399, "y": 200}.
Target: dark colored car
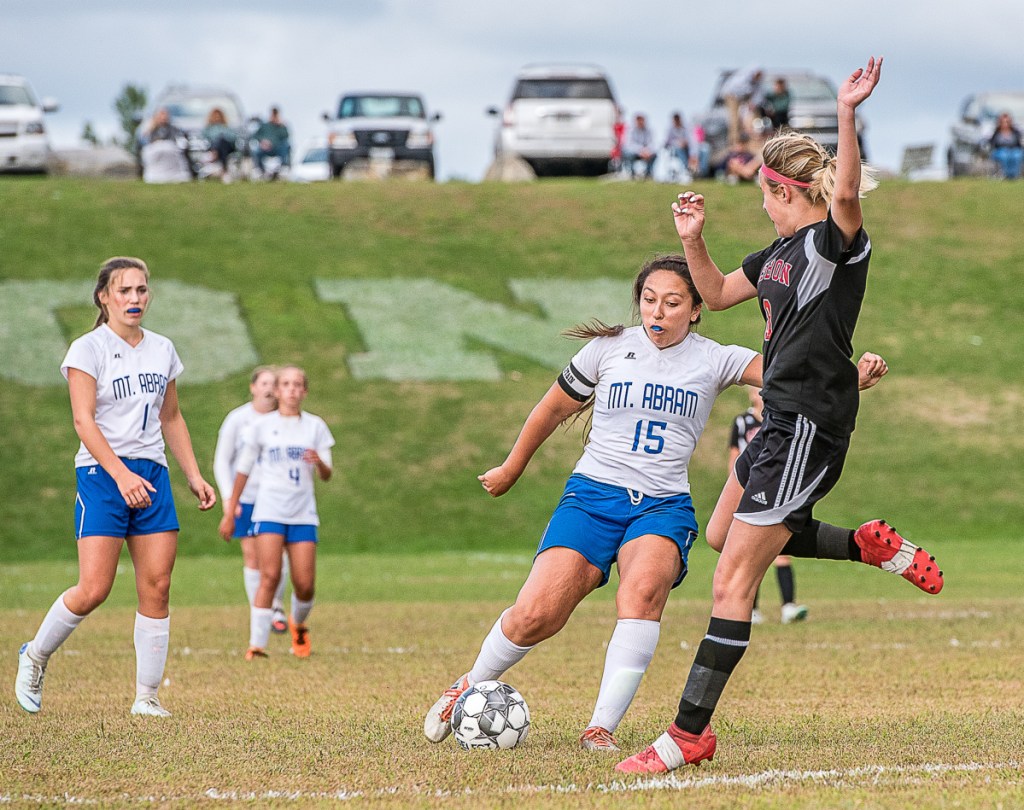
{"x": 392, "y": 127}
{"x": 812, "y": 110}
{"x": 968, "y": 152}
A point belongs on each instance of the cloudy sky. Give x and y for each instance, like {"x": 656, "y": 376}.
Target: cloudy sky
{"x": 462, "y": 55}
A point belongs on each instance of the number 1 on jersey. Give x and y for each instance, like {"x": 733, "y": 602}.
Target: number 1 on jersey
{"x": 654, "y": 441}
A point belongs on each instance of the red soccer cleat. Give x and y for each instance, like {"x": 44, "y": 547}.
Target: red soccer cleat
{"x": 882, "y": 547}
{"x": 671, "y": 750}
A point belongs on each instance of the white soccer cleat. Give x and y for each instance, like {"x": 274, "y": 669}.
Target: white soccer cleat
{"x": 792, "y": 612}
{"x": 438, "y": 723}
{"x": 28, "y": 686}
{"x": 149, "y": 707}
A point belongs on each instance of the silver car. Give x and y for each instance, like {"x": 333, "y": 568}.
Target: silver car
{"x": 968, "y": 152}
{"x": 560, "y": 119}
{"x": 23, "y": 143}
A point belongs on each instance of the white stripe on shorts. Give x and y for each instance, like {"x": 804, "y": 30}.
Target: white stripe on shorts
{"x": 796, "y": 463}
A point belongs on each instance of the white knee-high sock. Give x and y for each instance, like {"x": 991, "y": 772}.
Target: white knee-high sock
{"x": 286, "y": 570}
{"x": 300, "y": 610}
{"x": 629, "y": 652}
{"x": 58, "y": 624}
{"x": 151, "y": 639}
{"x": 251, "y": 578}
{"x": 497, "y": 655}
{"x": 259, "y": 626}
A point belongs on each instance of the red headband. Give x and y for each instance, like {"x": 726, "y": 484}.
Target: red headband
{"x": 771, "y": 174}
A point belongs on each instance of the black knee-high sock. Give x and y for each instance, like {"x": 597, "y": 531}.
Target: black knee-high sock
{"x": 717, "y": 656}
{"x": 787, "y": 584}
{"x": 823, "y": 541}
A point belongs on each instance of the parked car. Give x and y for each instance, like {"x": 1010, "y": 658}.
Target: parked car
{"x": 189, "y": 108}
{"x": 560, "y": 119}
{"x": 23, "y": 143}
{"x": 812, "y": 110}
{"x": 968, "y": 152}
{"x": 315, "y": 164}
{"x": 382, "y": 126}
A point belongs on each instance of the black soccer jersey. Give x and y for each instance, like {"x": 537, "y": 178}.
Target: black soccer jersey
{"x": 810, "y": 291}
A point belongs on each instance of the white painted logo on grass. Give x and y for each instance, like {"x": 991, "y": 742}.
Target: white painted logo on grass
{"x": 204, "y": 324}
{"x": 421, "y": 329}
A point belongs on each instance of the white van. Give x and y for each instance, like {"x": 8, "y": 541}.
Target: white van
{"x": 24, "y": 146}
{"x": 23, "y": 143}
{"x": 560, "y": 119}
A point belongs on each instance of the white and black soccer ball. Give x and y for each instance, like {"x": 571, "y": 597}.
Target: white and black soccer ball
{"x": 490, "y": 714}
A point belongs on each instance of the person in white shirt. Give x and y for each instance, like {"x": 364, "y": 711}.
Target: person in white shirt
{"x": 628, "y": 500}
{"x": 230, "y": 440}
{"x": 124, "y": 400}
{"x": 292, "y": 447}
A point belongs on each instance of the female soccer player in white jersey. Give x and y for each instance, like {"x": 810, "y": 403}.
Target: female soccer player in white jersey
{"x": 292, "y": 446}
{"x": 124, "y": 401}
{"x": 230, "y": 440}
{"x": 810, "y": 283}
{"x": 652, "y": 387}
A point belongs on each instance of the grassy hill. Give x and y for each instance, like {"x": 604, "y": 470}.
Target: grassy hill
{"x": 936, "y": 451}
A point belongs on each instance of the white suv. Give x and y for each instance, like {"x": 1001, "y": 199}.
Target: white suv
{"x": 560, "y": 119}
{"x": 23, "y": 143}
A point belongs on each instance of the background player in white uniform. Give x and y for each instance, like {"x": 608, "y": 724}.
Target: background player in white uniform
{"x": 744, "y": 428}
{"x": 652, "y": 387}
{"x": 810, "y": 283}
{"x": 124, "y": 402}
{"x": 292, "y": 446}
{"x": 229, "y": 445}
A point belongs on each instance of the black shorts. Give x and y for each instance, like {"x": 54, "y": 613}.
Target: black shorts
{"x": 789, "y": 466}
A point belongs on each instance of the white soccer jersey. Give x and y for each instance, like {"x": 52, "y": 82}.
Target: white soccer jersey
{"x": 230, "y": 440}
{"x": 650, "y": 405}
{"x": 285, "y": 492}
{"x": 130, "y": 386}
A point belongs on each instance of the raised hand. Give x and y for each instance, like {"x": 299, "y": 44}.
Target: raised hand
{"x": 688, "y": 213}
{"x": 861, "y": 83}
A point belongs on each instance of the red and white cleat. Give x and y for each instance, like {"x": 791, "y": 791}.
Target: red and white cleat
{"x": 596, "y": 738}
{"x": 671, "y": 750}
{"x": 882, "y": 546}
{"x": 438, "y": 723}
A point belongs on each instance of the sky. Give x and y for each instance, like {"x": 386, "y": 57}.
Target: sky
{"x": 462, "y": 56}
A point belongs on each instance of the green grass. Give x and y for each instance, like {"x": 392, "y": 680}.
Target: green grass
{"x": 884, "y": 698}
{"x": 936, "y": 449}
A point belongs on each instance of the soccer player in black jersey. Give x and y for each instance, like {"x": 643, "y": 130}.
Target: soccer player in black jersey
{"x": 810, "y": 284}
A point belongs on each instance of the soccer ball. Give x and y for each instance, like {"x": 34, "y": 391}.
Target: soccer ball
{"x": 490, "y": 714}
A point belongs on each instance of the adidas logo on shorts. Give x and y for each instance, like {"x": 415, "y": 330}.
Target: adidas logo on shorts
{"x": 759, "y": 498}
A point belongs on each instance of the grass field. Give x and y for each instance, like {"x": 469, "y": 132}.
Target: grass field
{"x": 883, "y": 699}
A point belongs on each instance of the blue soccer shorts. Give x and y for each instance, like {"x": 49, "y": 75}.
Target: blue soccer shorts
{"x": 243, "y": 523}
{"x": 292, "y": 533}
{"x": 597, "y": 519}
{"x": 100, "y": 510}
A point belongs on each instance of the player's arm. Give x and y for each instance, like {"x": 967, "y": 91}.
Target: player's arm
{"x": 554, "y": 408}
{"x": 845, "y": 206}
{"x": 246, "y": 460}
{"x": 321, "y": 461}
{"x": 719, "y": 291}
{"x": 223, "y": 456}
{"x": 179, "y": 442}
{"x": 753, "y": 374}
{"x": 133, "y": 488}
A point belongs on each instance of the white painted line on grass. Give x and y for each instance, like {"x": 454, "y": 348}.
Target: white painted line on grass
{"x": 769, "y": 778}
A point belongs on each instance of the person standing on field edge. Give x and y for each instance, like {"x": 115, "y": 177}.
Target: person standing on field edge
{"x": 124, "y": 400}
